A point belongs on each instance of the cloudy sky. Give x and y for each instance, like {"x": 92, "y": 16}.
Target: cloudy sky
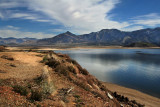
{"x": 47, "y": 18}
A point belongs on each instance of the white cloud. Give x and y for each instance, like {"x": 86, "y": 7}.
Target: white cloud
{"x": 82, "y": 16}
{"x": 57, "y": 30}
{"x": 12, "y": 27}
{"x": 11, "y": 3}
{"x": 133, "y": 28}
{"x": 152, "y": 19}
{"x": 1, "y": 16}
{"x": 11, "y": 31}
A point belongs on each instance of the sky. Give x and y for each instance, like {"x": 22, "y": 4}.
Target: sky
{"x": 47, "y": 18}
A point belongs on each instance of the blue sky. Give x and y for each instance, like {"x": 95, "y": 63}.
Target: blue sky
{"x": 47, "y": 18}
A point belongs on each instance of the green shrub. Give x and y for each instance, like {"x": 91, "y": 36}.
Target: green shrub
{"x": 47, "y": 88}
{"x": 52, "y": 63}
{"x": 45, "y": 59}
{"x": 20, "y": 89}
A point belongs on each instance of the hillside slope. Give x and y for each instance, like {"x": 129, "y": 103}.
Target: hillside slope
{"x": 51, "y": 79}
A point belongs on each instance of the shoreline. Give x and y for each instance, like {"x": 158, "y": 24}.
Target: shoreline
{"x": 77, "y": 48}
{"x": 133, "y": 94}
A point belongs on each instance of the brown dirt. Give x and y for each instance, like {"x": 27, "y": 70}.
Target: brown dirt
{"x": 27, "y": 65}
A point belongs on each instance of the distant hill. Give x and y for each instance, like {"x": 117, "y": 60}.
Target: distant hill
{"x": 17, "y": 41}
{"x": 67, "y": 37}
{"x": 107, "y": 37}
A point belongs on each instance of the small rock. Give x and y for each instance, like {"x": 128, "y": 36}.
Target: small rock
{"x": 110, "y": 96}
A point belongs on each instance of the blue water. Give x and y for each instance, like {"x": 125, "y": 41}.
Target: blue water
{"x": 133, "y": 68}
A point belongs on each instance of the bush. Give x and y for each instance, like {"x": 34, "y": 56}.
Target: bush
{"x": 52, "y": 63}
{"x": 47, "y": 88}
{"x": 20, "y": 89}
{"x": 36, "y": 95}
{"x": 44, "y": 60}
{"x": 62, "y": 69}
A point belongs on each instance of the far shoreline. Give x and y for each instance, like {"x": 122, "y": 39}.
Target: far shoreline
{"x": 75, "y": 48}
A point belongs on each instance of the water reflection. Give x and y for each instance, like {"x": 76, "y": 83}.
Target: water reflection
{"x": 134, "y": 68}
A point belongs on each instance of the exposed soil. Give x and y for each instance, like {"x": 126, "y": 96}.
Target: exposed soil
{"x": 24, "y": 66}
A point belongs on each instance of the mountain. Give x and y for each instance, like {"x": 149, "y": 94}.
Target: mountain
{"x": 151, "y": 37}
{"x": 12, "y": 40}
{"x": 107, "y": 37}
{"x": 67, "y": 37}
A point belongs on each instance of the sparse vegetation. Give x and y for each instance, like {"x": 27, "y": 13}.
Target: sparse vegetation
{"x": 78, "y": 101}
{"x": 45, "y": 59}
{"x": 52, "y": 63}
{"x": 47, "y": 88}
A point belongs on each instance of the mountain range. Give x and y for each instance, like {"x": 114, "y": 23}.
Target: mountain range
{"x": 17, "y": 41}
{"x": 102, "y": 37}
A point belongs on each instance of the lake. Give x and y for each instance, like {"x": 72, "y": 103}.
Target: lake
{"x": 133, "y": 68}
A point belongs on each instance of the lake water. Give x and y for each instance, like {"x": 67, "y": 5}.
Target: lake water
{"x": 133, "y": 68}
